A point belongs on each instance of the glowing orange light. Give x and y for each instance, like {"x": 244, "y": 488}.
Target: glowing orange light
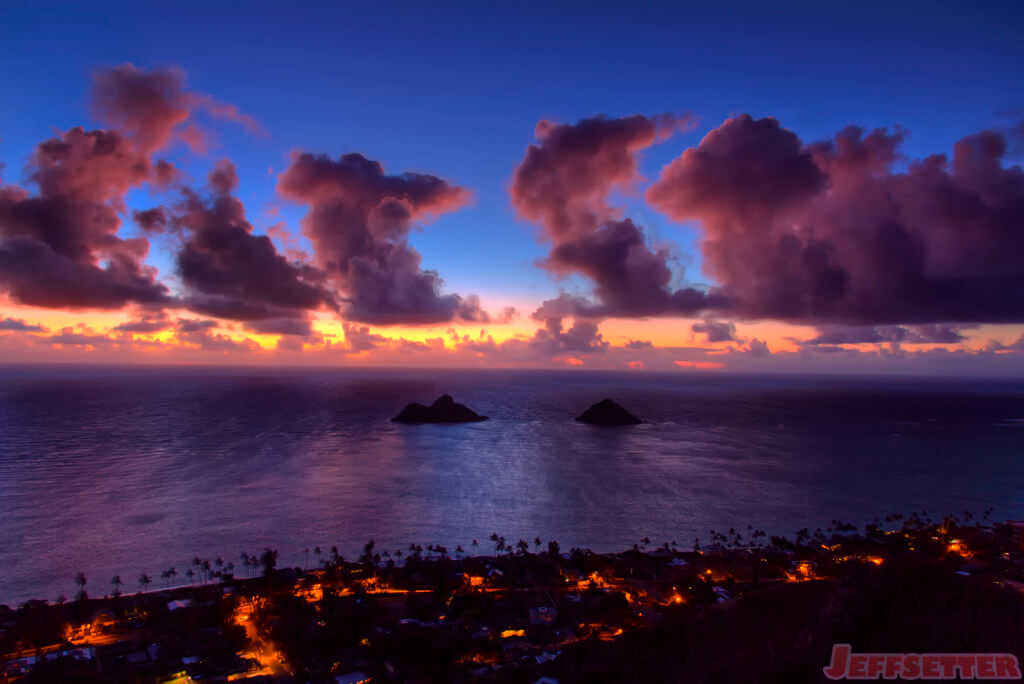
{"x": 702, "y": 365}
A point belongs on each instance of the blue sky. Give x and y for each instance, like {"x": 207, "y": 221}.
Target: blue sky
{"x": 457, "y": 88}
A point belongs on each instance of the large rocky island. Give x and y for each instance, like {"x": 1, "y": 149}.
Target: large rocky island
{"x": 607, "y": 412}
{"x": 444, "y": 410}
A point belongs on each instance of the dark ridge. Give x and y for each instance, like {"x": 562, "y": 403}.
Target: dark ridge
{"x": 444, "y": 410}
{"x": 607, "y": 412}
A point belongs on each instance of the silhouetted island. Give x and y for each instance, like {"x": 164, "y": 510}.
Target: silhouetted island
{"x": 607, "y": 412}
{"x": 444, "y": 410}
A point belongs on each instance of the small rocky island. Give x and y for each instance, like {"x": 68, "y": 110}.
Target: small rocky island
{"x": 444, "y": 410}
{"x": 607, "y": 412}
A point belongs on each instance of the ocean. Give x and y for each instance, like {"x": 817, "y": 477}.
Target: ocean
{"x": 120, "y": 470}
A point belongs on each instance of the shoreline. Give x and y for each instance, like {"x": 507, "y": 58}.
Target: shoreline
{"x": 533, "y": 608}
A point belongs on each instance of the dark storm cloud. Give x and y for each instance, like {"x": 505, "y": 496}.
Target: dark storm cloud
{"x": 359, "y": 222}
{"x": 564, "y": 183}
{"x": 837, "y": 232}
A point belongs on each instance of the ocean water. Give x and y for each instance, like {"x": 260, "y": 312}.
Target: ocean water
{"x": 130, "y": 470}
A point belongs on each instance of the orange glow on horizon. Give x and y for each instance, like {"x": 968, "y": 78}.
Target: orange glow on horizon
{"x": 703, "y": 365}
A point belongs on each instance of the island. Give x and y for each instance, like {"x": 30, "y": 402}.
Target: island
{"x": 444, "y": 410}
{"x": 607, "y": 412}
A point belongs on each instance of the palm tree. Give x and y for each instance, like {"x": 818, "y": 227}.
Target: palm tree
{"x": 306, "y": 551}
{"x": 268, "y": 559}
{"x": 144, "y": 581}
{"x": 190, "y": 574}
{"x": 80, "y": 580}
{"x": 117, "y": 584}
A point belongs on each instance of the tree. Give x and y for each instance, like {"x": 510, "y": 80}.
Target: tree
{"x": 268, "y": 560}
{"x": 81, "y": 581}
{"x": 144, "y": 581}
{"x": 117, "y": 584}
{"x": 190, "y": 573}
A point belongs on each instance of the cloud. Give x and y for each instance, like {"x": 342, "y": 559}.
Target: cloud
{"x": 18, "y": 325}
{"x": 72, "y": 337}
{"x": 758, "y": 349}
{"x": 229, "y": 272}
{"x": 582, "y": 336}
{"x": 281, "y": 326}
{"x": 358, "y": 338}
{"x": 701, "y": 365}
{"x": 199, "y": 333}
{"x": 359, "y": 222}
{"x": 565, "y": 182}
{"x": 149, "y": 322}
{"x": 837, "y": 231}
{"x": 59, "y": 247}
{"x": 935, "y": 333}
{"x": 507, "y": 315}
{"x": 155, "y": 220}
{"x": 153, "y": 107}
{"x": 716, "y": 331}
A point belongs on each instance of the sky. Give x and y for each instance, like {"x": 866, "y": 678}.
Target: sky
{"x": 687, "y": 187}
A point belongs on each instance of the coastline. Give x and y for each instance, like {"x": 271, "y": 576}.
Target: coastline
{"x": 531, "y": 609}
